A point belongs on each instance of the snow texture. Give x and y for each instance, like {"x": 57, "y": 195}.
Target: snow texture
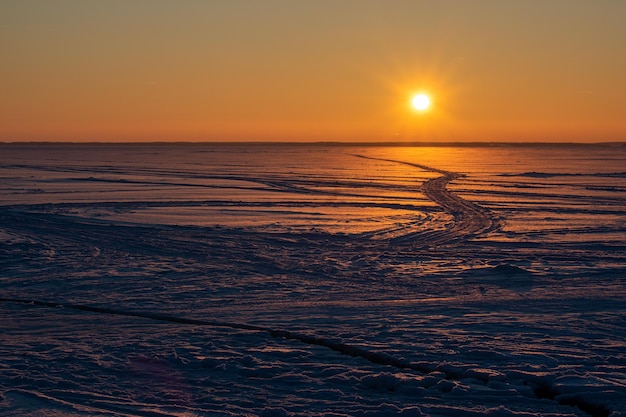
{"x": 312, "y": 280}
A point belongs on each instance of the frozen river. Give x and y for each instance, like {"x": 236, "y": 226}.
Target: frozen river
{"x": 312, "y": 280}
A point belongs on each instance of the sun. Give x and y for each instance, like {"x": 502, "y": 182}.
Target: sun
{"x": 420, "y": 102}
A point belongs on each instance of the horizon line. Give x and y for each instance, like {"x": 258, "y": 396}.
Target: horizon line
{"x": 323, "y": 143}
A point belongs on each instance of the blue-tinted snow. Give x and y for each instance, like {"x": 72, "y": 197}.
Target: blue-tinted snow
{"x": 200, "y": 280}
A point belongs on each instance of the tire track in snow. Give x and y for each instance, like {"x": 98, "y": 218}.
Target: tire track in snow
{"x": 543, "y": 388}
{"x": 470, "y": 219}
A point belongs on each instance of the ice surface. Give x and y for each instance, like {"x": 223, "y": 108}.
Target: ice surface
{"x": 312, "y": 280}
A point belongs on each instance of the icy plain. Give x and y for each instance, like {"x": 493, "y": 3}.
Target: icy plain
{"x": 312, "y": 280}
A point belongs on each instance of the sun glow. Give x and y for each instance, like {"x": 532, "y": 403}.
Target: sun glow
{"x": 420, "y": 102}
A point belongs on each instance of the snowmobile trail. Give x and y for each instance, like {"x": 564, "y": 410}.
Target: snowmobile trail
{"x": 469, "y": 219}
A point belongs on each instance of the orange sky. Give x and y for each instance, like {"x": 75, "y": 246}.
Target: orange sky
{"x": 319, "y": 70}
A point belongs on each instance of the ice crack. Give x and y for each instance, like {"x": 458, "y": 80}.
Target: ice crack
{"x": 541, "y": 388}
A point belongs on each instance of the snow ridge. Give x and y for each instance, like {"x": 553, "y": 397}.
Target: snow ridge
{"x": 542, "y": 387}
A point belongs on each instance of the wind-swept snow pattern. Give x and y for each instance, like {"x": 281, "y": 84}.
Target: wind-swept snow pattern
{"x": 312, "y": 280}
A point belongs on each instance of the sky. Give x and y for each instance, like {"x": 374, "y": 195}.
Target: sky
{"x": 319, "y": 70}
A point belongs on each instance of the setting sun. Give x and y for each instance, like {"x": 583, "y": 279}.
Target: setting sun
{"x": 420, "y": 102}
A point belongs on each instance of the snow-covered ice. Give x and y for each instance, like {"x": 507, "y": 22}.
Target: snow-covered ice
{"x": 312, "y": 280}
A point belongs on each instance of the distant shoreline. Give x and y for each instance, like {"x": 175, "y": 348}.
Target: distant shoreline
{"x": 322, "y": 143}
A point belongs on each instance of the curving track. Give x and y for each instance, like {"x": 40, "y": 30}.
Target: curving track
{"x": 469, "y": 219}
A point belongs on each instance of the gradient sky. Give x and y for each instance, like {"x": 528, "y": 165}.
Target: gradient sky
{"x": 130, "y": 70}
